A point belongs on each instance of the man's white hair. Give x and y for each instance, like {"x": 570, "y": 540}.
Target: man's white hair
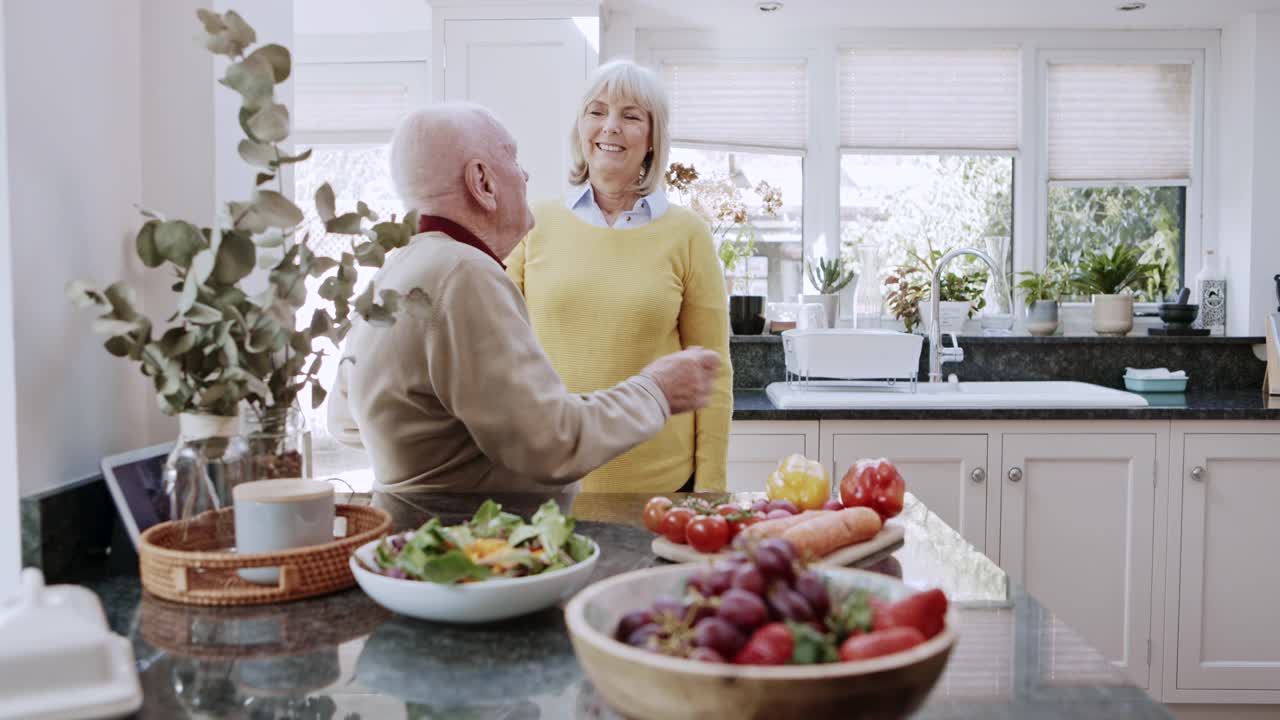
{"x": 432, "y": 146}
{"x": 625, "y": 81}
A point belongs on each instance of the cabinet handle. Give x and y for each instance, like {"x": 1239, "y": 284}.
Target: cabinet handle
{"x": 978, "y": 475}
{"x": 1015, "y": 474}
{"x": 1197, "y": 473}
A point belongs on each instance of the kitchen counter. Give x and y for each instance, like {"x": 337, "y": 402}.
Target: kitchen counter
{"x": 342, "y": 656}
{"x": 1203, "y": 405}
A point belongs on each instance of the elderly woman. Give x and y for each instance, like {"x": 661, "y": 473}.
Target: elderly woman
{"x": 614, "y": 277}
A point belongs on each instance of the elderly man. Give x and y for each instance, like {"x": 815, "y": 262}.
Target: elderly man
{"x": 463, "y": 398}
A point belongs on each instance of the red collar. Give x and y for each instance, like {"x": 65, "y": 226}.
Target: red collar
{"x": 435, "y": 223}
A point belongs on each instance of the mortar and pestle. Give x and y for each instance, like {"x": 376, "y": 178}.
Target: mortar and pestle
{"x": 1178, "y": 316}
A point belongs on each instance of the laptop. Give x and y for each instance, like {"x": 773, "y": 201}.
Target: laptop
{"x": 136, "y": 482}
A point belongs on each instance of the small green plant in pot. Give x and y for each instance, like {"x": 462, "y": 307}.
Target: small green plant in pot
{"x": 223, "y": 346}
{"x": 1111, "y": 277}
{"x": 1042, "y": 292}
{"x": 828, "y": 277}
{"x": 959, "y": 291}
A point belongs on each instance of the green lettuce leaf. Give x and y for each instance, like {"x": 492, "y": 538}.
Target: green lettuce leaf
{"x": 449, "y": 567}
{"x": 490, "y": 521}
{"x": 553, "y": 527}
{"x": 579, "y": 548}
{"x": 811, "y": 646}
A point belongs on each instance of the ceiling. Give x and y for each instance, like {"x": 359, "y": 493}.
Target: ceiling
{"x": 1058, "y": 14}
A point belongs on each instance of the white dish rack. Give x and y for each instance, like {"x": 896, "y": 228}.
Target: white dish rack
{"x": 854, "y": 357}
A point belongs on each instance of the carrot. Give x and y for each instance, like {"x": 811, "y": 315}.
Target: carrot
{"x": 820, "y": 536}
{"x": 775, "y": 528}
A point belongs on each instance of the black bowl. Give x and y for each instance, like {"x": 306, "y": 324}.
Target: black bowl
{"x": 746, "y": 314}
{"x": 1178, "y": 315}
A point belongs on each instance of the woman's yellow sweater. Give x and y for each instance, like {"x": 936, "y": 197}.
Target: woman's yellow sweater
{"x": 605, "y": 302}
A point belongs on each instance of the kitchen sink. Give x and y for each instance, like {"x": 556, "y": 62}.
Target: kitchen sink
{"x": 838, "y": 395}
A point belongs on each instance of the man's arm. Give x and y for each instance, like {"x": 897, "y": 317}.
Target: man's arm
{"x": 488, "y": 370}
{"x": 342, "y": 426}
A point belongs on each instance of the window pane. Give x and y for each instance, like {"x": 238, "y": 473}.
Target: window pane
{"x": 355, "y": 172}
{"x": 773, "y": 268}
{"x": 910, "y": 206}
{"x": 1091, "y": 219}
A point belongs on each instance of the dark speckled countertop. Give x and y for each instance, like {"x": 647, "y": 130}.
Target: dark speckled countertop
{"x": 1206, "y": 405}
{"x": 344, "y": 657}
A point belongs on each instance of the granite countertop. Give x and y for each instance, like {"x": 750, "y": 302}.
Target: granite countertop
{"x": 342, "y": 656}
{"x": 1203, "y": 405}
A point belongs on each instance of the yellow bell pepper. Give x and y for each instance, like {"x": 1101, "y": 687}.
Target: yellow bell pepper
{"x": 806, "y": 483}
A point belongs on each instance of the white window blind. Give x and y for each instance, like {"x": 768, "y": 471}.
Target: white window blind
{"x": 1120, "y": 122}
{"x": 745, "y": 103}
{"x": 964, "y": 99}
{"x": 362, "y": 101}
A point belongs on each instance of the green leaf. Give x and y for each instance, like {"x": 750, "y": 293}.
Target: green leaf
{"x": 450, "y": 567}
{"x": 118, "y": 345}
{"x": 364, "y": 211}
{"x": 177, "y": 341}
{"x": 364, "y": 302}
{"x": 122, "y": 300}
{"x": 202, "y": 314}
{"x": 325, "y": 202}
{"x": 490, "y": 521}
{"x": 417, "y": 302}
{"x": 111, "y": 326}
{"x": 202, "y": 265}
{"x": 236, "y": 256}
{"x": 321, "y": 265}
{"x": 270, "y": 123}
{"x": 82, "y": 294}
{"x": 390, "y": 301}
{"x": 212, "y": 21}
{"x": 553, "y": 527}
{"x": 245, "y": 217}
{"x": 811, "y": 646}
{"x": 854, "y": 614}
{"x": 277, "y": 210}
{"x": 580, "y": 548}
{"x": 290, "y": 159}
{"x": 178, "y": 241}
{"x": 370, "y": 254}
{"x": 251, "y": 77}
{"x": 321, "y": 323}
{"x": 190, "y": 289}
{"x": 277, "y": 57}
{"x": 318, "y": 394}
{"x": 257, "y": 154}
{"x": 263, "y": 178}
{"x": 146, "y": 245}
{"x": 391, "y": 235}
{"x": 344, "y": 224}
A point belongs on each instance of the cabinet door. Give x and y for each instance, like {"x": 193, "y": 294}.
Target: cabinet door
{"x": 1076, "y": 530}
{"x": 530, "y": 73}
{"x": 755, "y": 447}
{"x": 946, "y": 472}
{"x": 1228, "y": 626}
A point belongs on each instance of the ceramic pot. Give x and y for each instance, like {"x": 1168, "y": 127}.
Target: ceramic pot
{"x": 746, "y": 314}
{"x": 1113, "y": 314}
{"x": 1042, "y": 317}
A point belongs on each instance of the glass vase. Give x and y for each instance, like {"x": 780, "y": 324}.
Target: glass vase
{"x": 279, "y": 441}
{"x": 868, "y": 302}
{"x": 209, "y": 459}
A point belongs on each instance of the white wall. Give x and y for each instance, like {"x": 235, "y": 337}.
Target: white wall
{"x": 1249, "y": 168}
{"x": 10, "y": 545}
{"x": 343, "y": 17}
{"x": 75, "y": 152}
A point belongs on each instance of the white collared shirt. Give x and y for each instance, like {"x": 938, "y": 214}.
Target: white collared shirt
{"x": 581, "y": 199}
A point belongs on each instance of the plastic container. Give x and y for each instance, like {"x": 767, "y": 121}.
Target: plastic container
{"x": 846, "y": 354}
{"x": 1155, "y": 385}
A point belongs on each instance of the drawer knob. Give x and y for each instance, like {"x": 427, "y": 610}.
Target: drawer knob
{"x": 978, "y": 475}
{"x": 1015, "y": 474}
{"x": 1197, "y": 473}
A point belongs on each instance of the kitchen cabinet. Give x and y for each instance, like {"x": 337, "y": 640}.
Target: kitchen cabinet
{"x": 1077, "y": 530}
{"x": 947, "y": 471}
{"x": 1224, "y": 580}
{"x": 756, "y": 446}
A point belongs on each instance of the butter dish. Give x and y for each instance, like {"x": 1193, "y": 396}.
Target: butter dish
{"x": 1155, "y": 380}
{"x": 59, "y": 659}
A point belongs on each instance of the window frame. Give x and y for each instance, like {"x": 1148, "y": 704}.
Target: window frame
{"x": 1194, "y": 226}
{"x": 822, "y": 48}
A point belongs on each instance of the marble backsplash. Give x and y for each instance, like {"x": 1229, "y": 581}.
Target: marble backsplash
{"x": 1212, "y": 363}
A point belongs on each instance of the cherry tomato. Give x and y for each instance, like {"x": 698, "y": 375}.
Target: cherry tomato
{"x": 727, "y": 510}
{"x": 772, "y": 644}
{"x": 925, "y": 611}
{"x": 654, "y": 511}
{"x": 708, "y": 533}
{"x": 876, "y": 484}
{"x": 674, "y": 524}
{"x": 880, "y": 642}
{"x": 742, "y": 520}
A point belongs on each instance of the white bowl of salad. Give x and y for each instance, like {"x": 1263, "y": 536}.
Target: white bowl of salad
{"x": 491, "y": 567}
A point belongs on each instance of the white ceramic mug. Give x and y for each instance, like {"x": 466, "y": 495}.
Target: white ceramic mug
{"x": 278, "y": 515}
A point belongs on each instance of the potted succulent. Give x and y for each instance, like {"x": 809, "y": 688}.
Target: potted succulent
{"x": 223, "y": 346}
{"x": 1110, "y": 278}
{"x": 718, "y": 200}
{"x": 828, "y": 277}
{"x": 1042, "y": 292}
{"x": 960, "y": 293}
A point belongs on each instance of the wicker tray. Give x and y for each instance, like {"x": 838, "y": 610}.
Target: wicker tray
{"x": 190, "y": 561}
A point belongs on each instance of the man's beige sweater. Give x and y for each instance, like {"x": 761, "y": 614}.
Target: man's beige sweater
{"x": 463, "y": 398}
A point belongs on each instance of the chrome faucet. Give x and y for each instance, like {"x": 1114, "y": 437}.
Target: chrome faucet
{"x": 937, "y": 353}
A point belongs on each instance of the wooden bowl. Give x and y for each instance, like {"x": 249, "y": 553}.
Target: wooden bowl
{"x": 648, "y": 686}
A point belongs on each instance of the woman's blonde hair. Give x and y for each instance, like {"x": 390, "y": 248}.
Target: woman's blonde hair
{"x": 624, "y": 80}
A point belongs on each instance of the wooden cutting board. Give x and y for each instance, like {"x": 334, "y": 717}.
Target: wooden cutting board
{"x": 890, "y": 535}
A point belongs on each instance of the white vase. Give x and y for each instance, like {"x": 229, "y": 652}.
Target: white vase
{"x": 952, "y": 315}
{"x": 830, "y": 305}
{"x": 1113, "y": 314}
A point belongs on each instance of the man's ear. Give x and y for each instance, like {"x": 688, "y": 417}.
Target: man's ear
{"x": 480, "y": 184}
